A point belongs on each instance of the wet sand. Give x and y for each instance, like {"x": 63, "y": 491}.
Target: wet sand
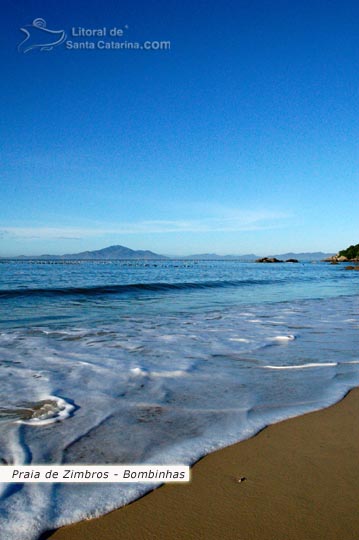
{"x": 300, "y": 482}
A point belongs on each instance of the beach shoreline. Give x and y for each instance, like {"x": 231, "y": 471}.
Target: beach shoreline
{"x": 295, "y": 480}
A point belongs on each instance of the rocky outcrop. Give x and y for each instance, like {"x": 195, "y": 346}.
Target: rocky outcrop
{"x": 268, "y": 260}
{"x": 275, "y": 260}
{"x": 340, "y": 258}
{"x": 351, "y": 254}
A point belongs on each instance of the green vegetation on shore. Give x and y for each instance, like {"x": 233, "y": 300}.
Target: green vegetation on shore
{"x": 352, "y": 252}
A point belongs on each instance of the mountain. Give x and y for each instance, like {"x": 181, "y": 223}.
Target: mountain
{"x": 122, "y": 252}
{"x": 112, "y": 252}
{"x": 215, "y": 257}
{"x": 310, "y": 256}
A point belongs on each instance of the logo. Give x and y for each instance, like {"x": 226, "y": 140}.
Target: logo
{"x": 40, "y": 37}
{"x": 79, "y": 38}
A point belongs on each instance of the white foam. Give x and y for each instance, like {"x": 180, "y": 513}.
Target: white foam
{"x": 284, "y": 338}
{"x": 52, "y": 409}
{"x": 139, "y": 371}
{"x": 145, "y": 399}
{"x": 176, "y": 373}
{"x": 303, "y": 366}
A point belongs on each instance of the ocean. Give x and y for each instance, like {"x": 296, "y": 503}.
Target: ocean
{"x": 160, "y": 362}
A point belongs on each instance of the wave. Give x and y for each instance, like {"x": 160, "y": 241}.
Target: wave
{"x": 303, "y": 366}
{"x": 133, "y": 287}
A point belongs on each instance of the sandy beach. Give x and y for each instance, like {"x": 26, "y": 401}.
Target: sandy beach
{"x": 300, "y": 481}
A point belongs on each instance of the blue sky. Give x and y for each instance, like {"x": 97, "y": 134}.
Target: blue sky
{"x": 241, "y": 138}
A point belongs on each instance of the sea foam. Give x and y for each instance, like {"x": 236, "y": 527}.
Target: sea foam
{"x": 146, "y": 377}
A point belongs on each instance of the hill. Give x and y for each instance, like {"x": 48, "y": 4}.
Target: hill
{"x": 215, "y": 257}
{"x": 310, "y": 256}
{"x": 122, "y": 253}
{"x": 351, "y": 253}
{"x": 108, "y": 253}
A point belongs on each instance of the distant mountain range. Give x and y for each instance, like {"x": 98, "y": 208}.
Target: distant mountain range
{"x": 121, "y": 252}
{"x": 310, "y": 256}
{"x": 109, "y": 253}
{"x": 213, "y": 256}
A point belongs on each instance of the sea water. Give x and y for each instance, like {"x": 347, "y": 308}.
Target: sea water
{"x": 161, "y": 362}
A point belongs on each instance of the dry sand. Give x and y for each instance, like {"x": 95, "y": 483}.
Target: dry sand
{"x": 301, "y": 483}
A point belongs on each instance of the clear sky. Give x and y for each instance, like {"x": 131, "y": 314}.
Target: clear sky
{"x": 243, "y": 137}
